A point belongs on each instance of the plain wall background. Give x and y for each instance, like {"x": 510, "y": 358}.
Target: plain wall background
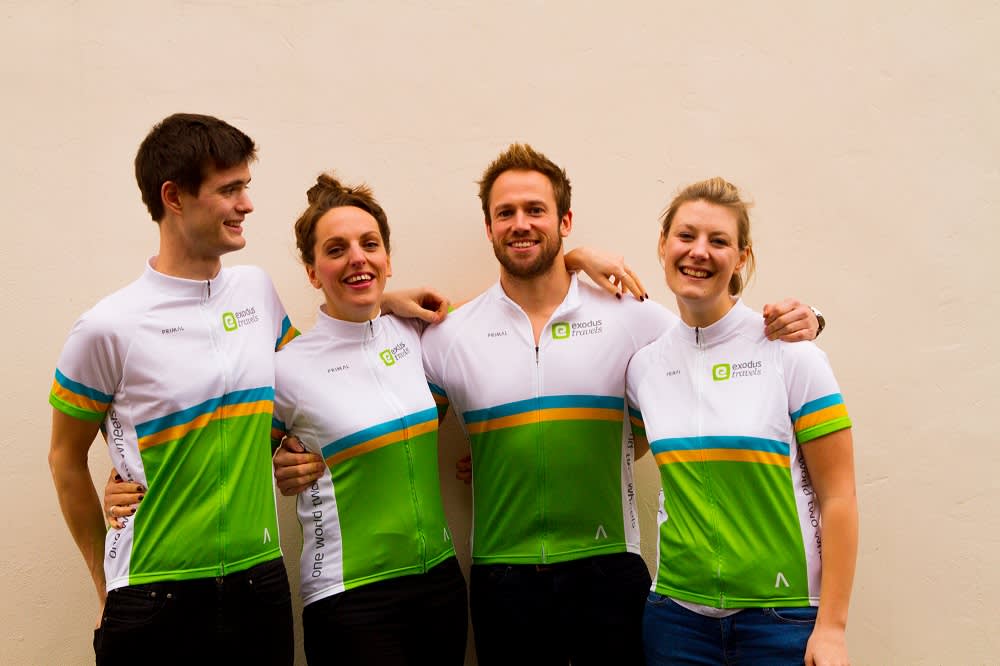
{"x": 866, "y": 132}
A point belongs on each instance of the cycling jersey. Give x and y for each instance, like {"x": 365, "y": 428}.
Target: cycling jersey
{"x": 726, "y": 413}
{"x": 180, "y": 373}
{"x": 355, "y": 393}
{"x": 552, "y": 456}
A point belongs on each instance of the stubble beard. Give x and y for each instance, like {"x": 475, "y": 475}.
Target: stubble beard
{"x": 523, "y": 271}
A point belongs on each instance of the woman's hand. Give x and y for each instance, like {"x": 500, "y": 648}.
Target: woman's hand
{"x": 827, "y": 646}
{"x": 121, "y": 500}
{"x": 608, "y": 272}
{"x": 421, "y": 303}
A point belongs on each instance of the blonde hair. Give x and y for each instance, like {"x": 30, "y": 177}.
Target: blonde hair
{"x": 720, "y": 192}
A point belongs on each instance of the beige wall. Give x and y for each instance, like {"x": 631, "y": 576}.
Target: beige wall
{"x": 866, "y": 132}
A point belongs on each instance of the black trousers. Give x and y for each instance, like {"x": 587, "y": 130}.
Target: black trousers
{"x": 588, "y": 611}
{"x": 410, "y": 620}
{"x": 244, "y": 617}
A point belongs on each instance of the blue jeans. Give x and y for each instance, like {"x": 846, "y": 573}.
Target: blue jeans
{"x": 242, "y": 618}
{"x": 586, "y": 611}
{"x": 671, "y": 634}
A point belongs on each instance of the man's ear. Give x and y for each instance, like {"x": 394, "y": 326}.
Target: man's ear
{"x": 170, "y": 195}
{"x": 489, "y": 229}
{"x": 566, "y": 224}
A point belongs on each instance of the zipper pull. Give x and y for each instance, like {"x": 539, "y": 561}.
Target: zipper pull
{"x": 209, "y": 283}
{"x": 536, "y": 354}
{"x": 697, "y": 336}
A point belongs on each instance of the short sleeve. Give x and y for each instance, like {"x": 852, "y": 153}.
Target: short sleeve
{"x": 88, "y": 371}
{"x": 816, "y": 406}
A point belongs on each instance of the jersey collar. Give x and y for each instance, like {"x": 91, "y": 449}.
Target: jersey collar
{"x": 348, "y": 330}
{"x": 730, "y": 324}
{"x": 570, "y": 302}
{"x": 184, "y": 288}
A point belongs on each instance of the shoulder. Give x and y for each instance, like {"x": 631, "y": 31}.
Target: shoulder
{"x": 249, "y": 275}
{"x": 449, "y": 330}
{"x": 642, "y": 321}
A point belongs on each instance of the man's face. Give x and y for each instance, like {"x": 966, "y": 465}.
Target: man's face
{"x": 524, "y": 224}
{"x": 212, "y": 220}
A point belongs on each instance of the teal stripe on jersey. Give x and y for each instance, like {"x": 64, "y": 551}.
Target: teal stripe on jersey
{"x": 545, "y": 402}
{"x": 437, "y": 390}
{"x": 82, "y": 389}
{"x": 719, "y": 442}
{"x": 818, "y": 404}
{"x": 371, "y": 433}
{"x": 207, "y": 407}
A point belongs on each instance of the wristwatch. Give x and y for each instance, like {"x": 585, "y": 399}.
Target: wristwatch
{"x": 820, "y": 319}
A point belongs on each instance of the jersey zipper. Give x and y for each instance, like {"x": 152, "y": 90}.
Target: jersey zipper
{"x": 220, "y": 359}
{"x": 390, "y": 400}
{"x": 701, "y": 373}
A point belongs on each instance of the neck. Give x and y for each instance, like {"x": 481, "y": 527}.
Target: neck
{"x": 700, "y": 314}
{"x": 539, "y": 295}
{"x": 178, "y": 260}
{"x": 355, "y": 317}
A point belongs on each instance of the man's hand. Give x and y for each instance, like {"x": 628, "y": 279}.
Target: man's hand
{"x": 608, "y": 272}
{"x": 295, "y": 469}
{"x": 463, "y": 469}
{"x": 790, "y": 321}
{"x": 121, "y": 500}
{"x": 421, "y": 303}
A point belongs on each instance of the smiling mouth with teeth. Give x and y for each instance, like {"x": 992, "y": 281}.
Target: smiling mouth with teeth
{"x": 360, "y": 277}
{"x": 695, "y": 272}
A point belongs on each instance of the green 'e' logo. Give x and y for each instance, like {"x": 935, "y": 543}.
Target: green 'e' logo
{"x": 229, "y": 321}
{"x": 560, "y": 330}
{"x": 720, "y": 372}
{"x": 387, "y": 357}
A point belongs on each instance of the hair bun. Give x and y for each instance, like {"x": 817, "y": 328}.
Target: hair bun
{"x": 325, "y": 184}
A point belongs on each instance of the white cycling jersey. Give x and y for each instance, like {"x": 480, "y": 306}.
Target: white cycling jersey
{"x": 552, "y": 453}
{"x": 356, "y": 394}
{"x": 726, "y": 413}
{"x": 180, "y": 373}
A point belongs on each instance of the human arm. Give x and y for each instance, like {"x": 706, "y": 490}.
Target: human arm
{"x": 422, "y": 303}
{"x": 295, "y": 468}
{"x": 608, "y": 272}
{"x": 78, "y": 500}
{"x": 830, "y": 462}
{"x": 790, "y": 321}
{"x": 121, "y": 499}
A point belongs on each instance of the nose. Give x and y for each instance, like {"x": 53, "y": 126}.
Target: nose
{"x": 520, "y": 222}
{"x": 355, "y": 255}
{"x": 244, "y": 205}
{"x": 699, "y": 248}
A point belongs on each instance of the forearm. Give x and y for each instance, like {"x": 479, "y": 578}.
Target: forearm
{"x": 840, "y": 550}
{"x": 81, "y": 508}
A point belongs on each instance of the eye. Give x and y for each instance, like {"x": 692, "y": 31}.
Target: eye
{"x": 536, "y": 210}
{"x": 502, "y": 214}
{"x": 720, "y": 242}
{"x": 685, "y": 235}
{"x": 334, "y": 250}
{"x": 372, "y": 245}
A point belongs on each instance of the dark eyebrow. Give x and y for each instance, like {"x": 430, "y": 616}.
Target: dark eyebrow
{"x": 233, "y": 183}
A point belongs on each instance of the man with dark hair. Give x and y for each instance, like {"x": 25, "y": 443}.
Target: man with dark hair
{"x": 535, "y": 368}
{"x": 176, "y": 370}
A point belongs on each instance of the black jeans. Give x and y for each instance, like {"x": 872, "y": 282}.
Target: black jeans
{"x": 410, "y": 620}
{"x": 587, "y": 611}
{"x": 245, "y": 617}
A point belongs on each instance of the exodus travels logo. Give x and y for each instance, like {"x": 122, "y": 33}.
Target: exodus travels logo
{"x": 390, "y": 356}
{"x": 234, "y": 320}
{"x": 724, "y": 371}
{"x": 562, "y": 330}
